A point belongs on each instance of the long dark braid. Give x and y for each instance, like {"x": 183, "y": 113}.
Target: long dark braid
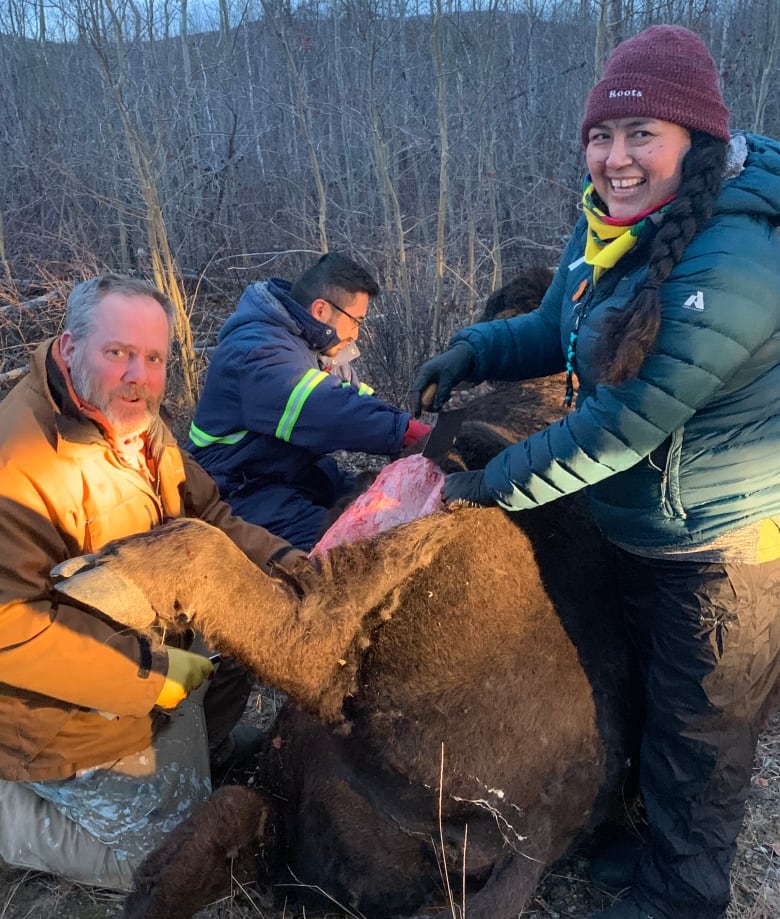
{"x": 630, "y": 334}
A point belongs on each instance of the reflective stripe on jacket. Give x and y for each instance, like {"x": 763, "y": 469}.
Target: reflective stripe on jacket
{"x": 269, "y": 412}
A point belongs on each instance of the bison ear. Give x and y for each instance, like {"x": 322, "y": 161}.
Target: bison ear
{"x": 107, "y": 592}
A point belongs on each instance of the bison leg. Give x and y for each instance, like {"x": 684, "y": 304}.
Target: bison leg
{"x": 509, "y": 887}
{"x": 198, "y": 862}
{"x": 188, "y": 574}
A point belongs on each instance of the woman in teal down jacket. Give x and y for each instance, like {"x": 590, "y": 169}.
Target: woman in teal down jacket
{"x": 665, "y": 309}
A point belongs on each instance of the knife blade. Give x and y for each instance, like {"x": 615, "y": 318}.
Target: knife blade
{"x": 443, "y": 434}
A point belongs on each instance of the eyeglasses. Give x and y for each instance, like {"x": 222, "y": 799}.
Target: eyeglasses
{"x": 358, "y": 320}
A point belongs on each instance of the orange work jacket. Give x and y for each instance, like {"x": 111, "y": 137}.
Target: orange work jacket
{"x": 76, "y": 690}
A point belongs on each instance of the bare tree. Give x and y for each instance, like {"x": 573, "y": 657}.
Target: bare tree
{"x": 279, "y": 19}
{"x": 439, "y": 51}
{"x": 6, "y": 265}
{"x": 769, "y": 57}
{"x": 111, "y": 57}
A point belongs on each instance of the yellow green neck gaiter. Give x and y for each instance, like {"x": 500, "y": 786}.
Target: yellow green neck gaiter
{"x": 609, "y": 240}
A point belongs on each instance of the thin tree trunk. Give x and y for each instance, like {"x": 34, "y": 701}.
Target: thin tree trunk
{"x": 3, "y": 253}
{"x": 444, "y": 154}
{"x": 766, "y": 83}
{"x": 165, "y": 270}
{"x": 394, "y": 223}
{"x": 302, "y": 113}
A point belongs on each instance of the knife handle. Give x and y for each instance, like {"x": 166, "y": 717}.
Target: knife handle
{"x": 426, "y": 397}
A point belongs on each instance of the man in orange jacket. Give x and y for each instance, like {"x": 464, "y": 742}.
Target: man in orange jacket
{"x": 104, "y": 744}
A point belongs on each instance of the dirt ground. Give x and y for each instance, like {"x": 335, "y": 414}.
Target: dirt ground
{"x": 565, "y": 890}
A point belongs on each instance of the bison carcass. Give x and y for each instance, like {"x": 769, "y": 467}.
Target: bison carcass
{"x": 464, "y": 695}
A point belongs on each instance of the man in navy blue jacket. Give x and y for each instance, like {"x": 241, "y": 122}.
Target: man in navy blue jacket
{"x": 281, "y": 395}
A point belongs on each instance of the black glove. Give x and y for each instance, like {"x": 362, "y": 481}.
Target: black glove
{"x": 443, "y": 372}
{"x": 466, "y": 489}
{"x": 295, "y": 569}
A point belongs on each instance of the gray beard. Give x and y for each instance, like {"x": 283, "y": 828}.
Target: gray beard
{"x": 88, "y": 390}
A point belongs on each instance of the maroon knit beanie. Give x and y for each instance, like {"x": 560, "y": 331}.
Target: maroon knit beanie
{"x": 664, "y": 72}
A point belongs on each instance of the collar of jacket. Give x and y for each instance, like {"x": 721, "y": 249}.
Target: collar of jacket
{"x": 319, "y": 336}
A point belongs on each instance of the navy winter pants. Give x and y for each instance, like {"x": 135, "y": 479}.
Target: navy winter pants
{"x": 708, "y": 641}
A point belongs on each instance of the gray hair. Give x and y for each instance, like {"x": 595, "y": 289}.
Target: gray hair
{"x": 88, "y": 294}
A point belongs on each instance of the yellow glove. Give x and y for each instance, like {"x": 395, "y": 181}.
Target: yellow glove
{"x": 186, "y": 671}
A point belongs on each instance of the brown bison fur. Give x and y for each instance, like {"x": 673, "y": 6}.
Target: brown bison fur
{"x": 493, "y": 420}
{"x": 520, "y": 295}
{"x": 515, "y": 409}
{"x": 479, "y": 676}
{"x": 217, "y": 848}
{"x": 503, "y": 689}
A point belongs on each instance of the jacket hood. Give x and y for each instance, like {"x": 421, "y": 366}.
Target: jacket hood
{"x": 270, "y": 301}
{"x": 752, "y": 185}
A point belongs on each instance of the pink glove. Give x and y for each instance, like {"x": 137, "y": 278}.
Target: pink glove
{"x": 415, "y": 430}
